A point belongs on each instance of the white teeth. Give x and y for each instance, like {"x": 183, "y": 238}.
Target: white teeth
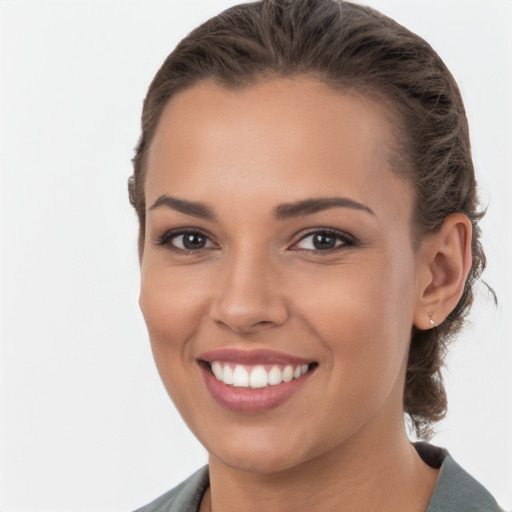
{"x": 217, "y": 370}
{"x": 275, "y": 376}
{"x": 258, "y": 377}
{"x": 288, "y": 373}
{"x": 240, "y": 377}
{"x": 227, "y": 376}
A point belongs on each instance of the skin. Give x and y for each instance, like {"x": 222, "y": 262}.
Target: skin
{"x": 340, "y": 442}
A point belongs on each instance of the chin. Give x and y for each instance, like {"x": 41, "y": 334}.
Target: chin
{"x": 262, "y": 462}
{"x": 265, "y": 453}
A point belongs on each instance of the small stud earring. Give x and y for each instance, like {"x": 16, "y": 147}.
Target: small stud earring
{"x": 432, "y": 323}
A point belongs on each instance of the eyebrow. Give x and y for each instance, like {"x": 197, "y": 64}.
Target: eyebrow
{"x": 281, "y": 212}
{"x": 193, "y": 208}
{"x": 314, "y": 205}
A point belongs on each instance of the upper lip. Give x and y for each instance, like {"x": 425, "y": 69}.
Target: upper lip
{"x": 251, "y": 357}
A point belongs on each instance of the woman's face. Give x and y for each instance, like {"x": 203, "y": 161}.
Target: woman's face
{"x": 278, "y": 242}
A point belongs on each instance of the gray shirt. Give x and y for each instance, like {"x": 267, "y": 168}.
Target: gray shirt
{"x": 455, "y": 491}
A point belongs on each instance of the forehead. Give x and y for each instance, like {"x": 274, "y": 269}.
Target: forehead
{"x": 294, "y": 132}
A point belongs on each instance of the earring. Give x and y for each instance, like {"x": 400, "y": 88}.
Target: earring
{"x": 432, "y": 323}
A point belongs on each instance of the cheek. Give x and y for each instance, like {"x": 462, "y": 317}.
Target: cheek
{"x": 172, "y": 309}
{"x": 363, "y": 316}
{"x": 170, "y": 301}
{"x": 374, "y": 291}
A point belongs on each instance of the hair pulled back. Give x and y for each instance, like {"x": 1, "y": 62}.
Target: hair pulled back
{"x": 348, "y": 47}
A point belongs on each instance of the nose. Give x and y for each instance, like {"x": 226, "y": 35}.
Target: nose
{"x": 248, "y": 296}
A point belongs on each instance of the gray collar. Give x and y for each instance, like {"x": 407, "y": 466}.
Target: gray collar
{"x": 455, "y": 490}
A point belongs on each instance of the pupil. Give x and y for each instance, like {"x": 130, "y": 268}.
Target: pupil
{"x": 324, "y": 241}
{"x": 193, "y": 241}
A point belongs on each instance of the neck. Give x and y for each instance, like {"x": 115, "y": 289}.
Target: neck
{"x": 365, "y": 474}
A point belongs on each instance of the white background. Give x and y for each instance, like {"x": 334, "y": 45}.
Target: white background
{"x": 85, "y": 423}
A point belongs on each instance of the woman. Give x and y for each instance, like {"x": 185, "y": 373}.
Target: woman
{"x": 308, "y": 245}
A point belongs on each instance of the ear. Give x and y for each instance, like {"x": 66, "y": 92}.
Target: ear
{"x": 445, "y": 262}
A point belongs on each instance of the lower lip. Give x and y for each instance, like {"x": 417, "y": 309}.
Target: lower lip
{"x": 251, "y": 400}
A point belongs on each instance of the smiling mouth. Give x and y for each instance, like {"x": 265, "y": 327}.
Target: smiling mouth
{"x": 253, "y": 381}
{"x": 257, "y": 376}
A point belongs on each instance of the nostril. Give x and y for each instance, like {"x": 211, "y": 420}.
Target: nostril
{"x": 244, "y": 324}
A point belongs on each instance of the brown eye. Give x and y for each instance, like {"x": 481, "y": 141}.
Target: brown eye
{"x": 186, "y": 241}
{"x": 192, "y": 241}
{"x": 323, "y": 241}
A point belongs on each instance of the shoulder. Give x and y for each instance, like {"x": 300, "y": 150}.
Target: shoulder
{"x": 186, "y": 497}
{"x": 456, "y": 489}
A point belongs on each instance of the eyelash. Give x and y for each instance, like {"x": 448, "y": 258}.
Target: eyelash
{"x": 346, "y": 240}
{"x": 167, "y": 237}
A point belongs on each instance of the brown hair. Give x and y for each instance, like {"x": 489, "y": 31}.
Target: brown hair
{"x": 348, "y": 47}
